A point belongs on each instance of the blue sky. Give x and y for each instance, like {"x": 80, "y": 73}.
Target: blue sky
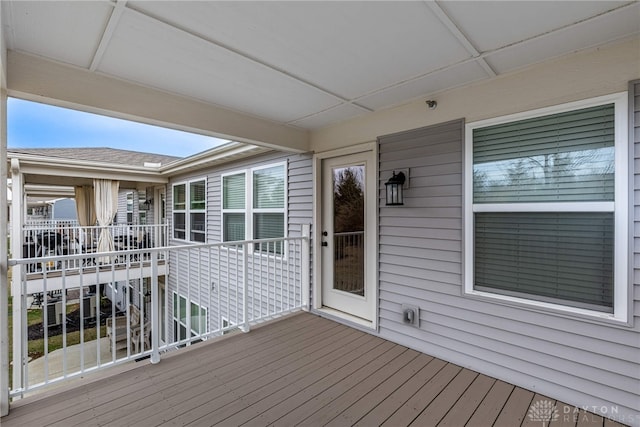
{"x": 34, "y": 125}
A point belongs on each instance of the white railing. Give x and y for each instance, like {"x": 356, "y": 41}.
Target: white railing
{"x": 42, "y": 241}
{"x": 197, "y": 292}
{"x": 349, "y": 262}
{"x": 52, "y": 223}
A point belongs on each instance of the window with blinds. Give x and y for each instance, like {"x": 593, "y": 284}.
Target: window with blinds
{"x": 254, "y": 206}
{"x": 189, "y": 218}
{"x": 179, "y": 209}
{"x": 268, "y": 207}
{"x": 562, "y": 157}
{"x": 197, "y": 212}
{"x": 234, "y": 201}
{"x": 543, "y": 221}
{"x": 130, "y": 208}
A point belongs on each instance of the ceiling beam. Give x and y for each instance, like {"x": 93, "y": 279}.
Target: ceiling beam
{"x": 107, "y": 34}
{"x": 42, "y": 80}
{"x": 462, "y": 38}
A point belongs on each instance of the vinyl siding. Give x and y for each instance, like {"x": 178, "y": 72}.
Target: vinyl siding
{"x": 421, "y": 262}
{"x": 634, "y": 137}
{"x": 218, "y": 269}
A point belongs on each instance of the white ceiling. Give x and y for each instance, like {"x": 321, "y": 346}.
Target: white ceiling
{"x": 309, "y": 64}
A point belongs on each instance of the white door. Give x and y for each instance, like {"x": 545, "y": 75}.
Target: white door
{"x": 348, "y": 251}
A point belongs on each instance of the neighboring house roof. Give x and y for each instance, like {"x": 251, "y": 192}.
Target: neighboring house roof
{"x": 99, "y": 154}
{"x": 79, "y": 166}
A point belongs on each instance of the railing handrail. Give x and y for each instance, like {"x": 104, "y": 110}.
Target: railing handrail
{"x": 45, "y": 227}
{"x": 349, "y": 233}
{"x": 16, "y": 261}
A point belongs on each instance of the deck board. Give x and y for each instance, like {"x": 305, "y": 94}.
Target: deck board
{"x": 408, "y": 412}
{"x": 463, "y": 409}
{"x": 301, "y": 370}
{"x": 515, "y": 408}
{"x": 373, "y": 398}
{"x": 399, "y": 397}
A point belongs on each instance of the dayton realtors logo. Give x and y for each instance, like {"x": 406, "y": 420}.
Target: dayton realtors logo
{"x": 544, "y": 411}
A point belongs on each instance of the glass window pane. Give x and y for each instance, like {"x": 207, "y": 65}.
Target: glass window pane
{"x": 233, "y": 187}
{"x": 197, "y": 195}
{"x": 556, "y": 158}
{"x": 268, "y": 187}
{"x": 197, "y": 227}
{"x": 183, "y": 309}
{"x": 565, "y": 256}
{"x": 233, "y": 227}
{"x": 179, "y": 225}
{"x": 268, "y": 226}
{"x": 129, "y": 202}
{"x": 179, "y": 197}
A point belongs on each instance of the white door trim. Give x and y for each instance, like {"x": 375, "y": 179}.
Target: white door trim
{"x": 316, "y": 303}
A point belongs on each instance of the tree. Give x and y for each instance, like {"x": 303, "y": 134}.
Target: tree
{"x": 348, "y": 200}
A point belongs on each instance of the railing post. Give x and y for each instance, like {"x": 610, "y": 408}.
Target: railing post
{"x": 4, "y": 268}
{"x": 17, "y": 208}
{"x": 245, "y": 289}
{"x": 155, "y": 310}
{"x": 305, "y": 267}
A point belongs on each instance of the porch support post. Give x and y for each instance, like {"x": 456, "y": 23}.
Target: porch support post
{"x": 305, "y": 267}
{"x": 245, "y": 289}
{"x": 4, "y": 255}
{"x": 17, "y": 219}
{"x": 155, "y": 310}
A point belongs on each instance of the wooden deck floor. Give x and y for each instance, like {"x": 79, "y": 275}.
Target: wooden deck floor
{"x": 302, "y": 370}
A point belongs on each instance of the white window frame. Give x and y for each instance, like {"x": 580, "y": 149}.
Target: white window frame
{"x": 224, "y": 210}
{"x": 129, "y": 207}
{"x": 188, "y": 325}
{"x": 187, "y": 209}
{"x": 249, "y": 210}
{"x": 619, "y": 207}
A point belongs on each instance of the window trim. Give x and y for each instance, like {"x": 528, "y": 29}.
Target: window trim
{"x": 187, "y": 211}
{"x": 224, "y": 210}
{"x": 249, "y": 210}
{"x": 620, "y": 208}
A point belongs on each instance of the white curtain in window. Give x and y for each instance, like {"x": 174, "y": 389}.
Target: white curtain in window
{"x": 106, "y": 197}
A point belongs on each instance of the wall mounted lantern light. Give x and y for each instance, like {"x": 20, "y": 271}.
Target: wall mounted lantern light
{"x": 146, "y": 205}
{"x": 394, "y": 186}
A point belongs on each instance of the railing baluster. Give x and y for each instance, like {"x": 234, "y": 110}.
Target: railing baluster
{"x": 155, "y": 309}
{"x": 245, "y": 288}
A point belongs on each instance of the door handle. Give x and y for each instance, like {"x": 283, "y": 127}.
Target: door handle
{"x": 324, "y": 233}
{"x": 325, "y": 244}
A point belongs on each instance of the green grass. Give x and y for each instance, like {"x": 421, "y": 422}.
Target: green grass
{"x": 36, "y": 347}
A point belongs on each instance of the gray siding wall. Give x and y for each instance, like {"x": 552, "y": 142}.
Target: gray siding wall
{"x": 421, "y": 262}
{"x": 190, "y": 268}
{"x": 634, "y": 137}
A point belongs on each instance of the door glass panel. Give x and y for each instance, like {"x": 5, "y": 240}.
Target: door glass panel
{"x": 348, "y": 229}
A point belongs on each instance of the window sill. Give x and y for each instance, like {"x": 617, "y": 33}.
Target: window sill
{"x": 558, "y": 310}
